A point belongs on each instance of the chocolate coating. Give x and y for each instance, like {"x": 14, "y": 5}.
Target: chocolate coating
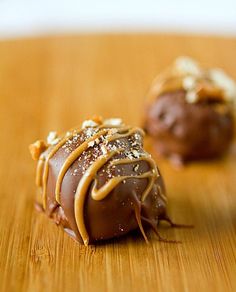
{"x": 190, "y": 111}
{"x": 189, "y": 131}
{"x": 123, "y": 208}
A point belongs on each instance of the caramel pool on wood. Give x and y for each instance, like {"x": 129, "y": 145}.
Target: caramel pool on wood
{"x": 97, "y": 181}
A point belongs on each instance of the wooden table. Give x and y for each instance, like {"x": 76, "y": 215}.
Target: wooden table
{"x": 55, "y": 83}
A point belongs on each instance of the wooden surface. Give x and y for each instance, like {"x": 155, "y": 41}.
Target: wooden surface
{"x": 55, "y": 83}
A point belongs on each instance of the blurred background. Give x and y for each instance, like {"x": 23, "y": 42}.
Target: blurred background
{"x": 63, "y": 61}
{"x": 30, "y": 17}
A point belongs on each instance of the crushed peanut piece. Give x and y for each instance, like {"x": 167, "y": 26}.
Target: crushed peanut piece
{"x": 97, "y": 119}
{"x": 113, "y": 122}
{"x": 37, "y": 148}
{"x": 186, "y": 65}
{"x": 89, "y": 123}
{"x": 52, "y": 138}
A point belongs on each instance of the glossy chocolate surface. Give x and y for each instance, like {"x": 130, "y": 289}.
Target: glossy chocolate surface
{"x": 187, "y": 131}
{"x": 135, "y": 199}
{"x": 190, "y": 111}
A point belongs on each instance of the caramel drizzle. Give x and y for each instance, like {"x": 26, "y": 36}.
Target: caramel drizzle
{"x": 46, "y": 166}
{"x": 71, "y": 159}
{"x": 101, "y": 193}
{"x": 120, "y": 135}
{"x": 84, "y": 146}
{"x": 166, "y": 84}
{"x": 43, "y": 163}
{"x": 39, "y": 171}
{"x": 152, "y": 177}
{"x": 90, "y": 173}
{"x": 42, "y": 173}
{"x": 81, "y": 192}
{"x": 170, "y": 81}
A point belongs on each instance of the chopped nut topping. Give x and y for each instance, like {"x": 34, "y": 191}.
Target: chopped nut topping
{"x": 191, "y": 96}
{"x": 37, "y": 148}
{"x": 97, "y": 119}
{"x": 220, "y": 79}
{"x": 186, "y": 65}
{"x": 89, "y": 123}
{"x": 113, "y": 122}
{"x": 136, "y": 153}
{"x": 52, "y": 138}
{"x": 199, "y": 83}
{"x": 189, "y": 83}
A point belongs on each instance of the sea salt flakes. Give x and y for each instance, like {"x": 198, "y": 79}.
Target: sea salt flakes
{"x": 89, "y": 132}
{"x": 91, "y": 143}
{"x": 104, "y": 149}
{"x": 75, "y": 172}
{"x": 136, "y": 167}
{"x": 135, "y": 153}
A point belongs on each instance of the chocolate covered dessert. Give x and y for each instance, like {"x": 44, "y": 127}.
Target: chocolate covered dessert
{"x": 190, "y": 112}
{"x": 97, "y": 182}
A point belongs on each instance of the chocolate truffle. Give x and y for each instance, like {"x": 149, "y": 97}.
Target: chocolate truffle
{"x": 97, "y": 182}
{"x": 189, "y": 112}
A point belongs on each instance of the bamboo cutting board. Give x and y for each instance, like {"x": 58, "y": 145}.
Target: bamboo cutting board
{"x": 54, "y": 83}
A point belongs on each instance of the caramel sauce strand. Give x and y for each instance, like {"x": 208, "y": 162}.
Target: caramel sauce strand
{"x": 90, "y": 173}
{"x": 123, "y": 128}
{"x": 101, "y": 193}
{"x": 46, "y": 164}
{"x": 97, "y": 194}
{"x": 137, "y": 212}
{"x": 71, "y": 159}
{"x": 201, "y": 84}
{"x": 129, "y": 133}
{"x": 161, "y": 194}
{"x": 39, "y": 171}
{"x": 84, "y": 146}
{"x": 81, "y": 192}
{"x": 42, "y": 172}
{"x": 42, "y": 158}
{"x": 151, "y": 178}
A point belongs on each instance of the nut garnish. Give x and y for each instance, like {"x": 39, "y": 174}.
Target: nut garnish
{"x": 89, "y": 124}
{"x": 37, "y": 148}
{"x": 52, "y": 138}
{"x": 113, "y": 122}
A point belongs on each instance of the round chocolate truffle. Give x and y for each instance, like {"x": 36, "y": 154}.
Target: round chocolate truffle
{"x": 98, "y": 182}
{"x": 190, "y": 112}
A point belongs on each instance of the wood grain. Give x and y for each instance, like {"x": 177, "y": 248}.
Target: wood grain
{"x": 55, "y": 83}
